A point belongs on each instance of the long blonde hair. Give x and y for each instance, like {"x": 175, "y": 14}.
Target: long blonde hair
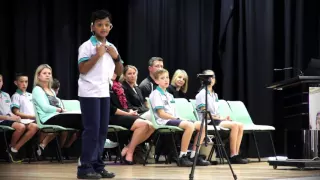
{"x": 37, "y": 73}
{"x": 179, "y": 72}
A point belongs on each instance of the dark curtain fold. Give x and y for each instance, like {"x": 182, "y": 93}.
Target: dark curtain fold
{"x": 262, "y": 35}
{"x": 36, "y": 32}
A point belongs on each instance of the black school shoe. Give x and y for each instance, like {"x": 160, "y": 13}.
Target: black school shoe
{"x": 14, "y": 156}
{"x": 200, "y": 161}
{"x": 90, "y": 175}
{"x": 238, "y": 160}
{"x": 105, "y": 174}
{"x": 184, "y": 161}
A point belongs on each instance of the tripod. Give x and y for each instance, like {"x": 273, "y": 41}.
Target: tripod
{"x": 219, "y": 141}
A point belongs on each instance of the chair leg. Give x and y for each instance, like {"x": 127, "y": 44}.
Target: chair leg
{"x": 175, "y": 148}
{"x": 273, "y": 148}
{"x": 256, "y": 144}
{"x": 59, "y": 151}
{"x": 119, "y": 148}
{"x": 149, "y": 150}
{"x": 7, "y": 146}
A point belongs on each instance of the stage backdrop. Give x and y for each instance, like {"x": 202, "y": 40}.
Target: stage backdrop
{"x": 262, "y": 35}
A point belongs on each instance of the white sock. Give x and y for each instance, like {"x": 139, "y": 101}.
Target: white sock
{"x": 14, "y": 150}
{"x": 182, "y": 153}
{"x": 42, "y": 146}
{"x": 233, "y": 155}
{"x": 193, "y": 153}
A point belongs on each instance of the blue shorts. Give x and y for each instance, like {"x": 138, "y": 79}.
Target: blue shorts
{"x": 7, "y": 123}
{"x": 174, "y": 122}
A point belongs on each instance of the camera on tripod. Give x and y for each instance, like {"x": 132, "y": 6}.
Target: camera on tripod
{"x": 205, "y": 78}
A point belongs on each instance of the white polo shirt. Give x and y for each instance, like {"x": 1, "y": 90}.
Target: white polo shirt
{"x": 162, "y": 100}
{"x": 213, "y": 103}
{"x": 95, "y": 83}
{"x": 22, "y": 101}
{"x": 5, "y": 103}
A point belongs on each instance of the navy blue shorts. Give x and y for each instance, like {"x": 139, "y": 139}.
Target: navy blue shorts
{"x": 174, "y": 122}
{"x": 7, "y": 123}
{"x": 215, "y": 122}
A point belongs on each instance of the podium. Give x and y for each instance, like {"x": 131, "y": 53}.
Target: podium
{"x": 300, "y": 135}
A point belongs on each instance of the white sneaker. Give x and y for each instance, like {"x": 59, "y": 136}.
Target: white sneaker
{"x": 109, "y": 144}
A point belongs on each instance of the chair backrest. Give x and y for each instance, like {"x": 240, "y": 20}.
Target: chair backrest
{"x": 224, "y": 109}
{"x": 39, "y": 123}
{"x": 240, "y": 112}
{"x": 71, "y": 105}
{"x": 193, "y": 103}
{"x": 153, "y": 119}
{"x": 185, "y": 109}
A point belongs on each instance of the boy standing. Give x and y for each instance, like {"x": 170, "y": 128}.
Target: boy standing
{"x": 98, "y": 59}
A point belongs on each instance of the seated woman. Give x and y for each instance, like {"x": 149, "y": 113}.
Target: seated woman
{"x": 133, "y": 93}
{"x": 120, "y": 115}
{"x": 179, "y": 84}
{"x": 47, "y": 104}
{"x": 213, "y": 106}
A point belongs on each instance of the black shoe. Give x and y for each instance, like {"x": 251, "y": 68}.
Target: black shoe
{"x": 106, "y": 174}
{"x": 237, "y": 160}
{"x": 14, "y": 157}
{"x": 90, "y": 175}
{"x": 185, "y": 162}
{"x": 200, "y": 161}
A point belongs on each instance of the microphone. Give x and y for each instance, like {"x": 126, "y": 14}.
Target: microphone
{"x": 290, "y": 68}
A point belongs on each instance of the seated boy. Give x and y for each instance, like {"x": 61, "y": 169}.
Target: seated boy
{"x": 22, "y": 132}
{"x": 22, "y": 106}
{"x": 163, "y": 106}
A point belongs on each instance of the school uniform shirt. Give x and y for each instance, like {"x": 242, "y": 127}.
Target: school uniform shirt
{"x": 213, "y": 103}
{"x": 160, "y": 99}
{"x": 5, "y": 103}
{"x": 95, "y": 83}
{"x": 22, "y": 101}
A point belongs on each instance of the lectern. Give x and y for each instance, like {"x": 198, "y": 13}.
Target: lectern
{"x": 299, "y": 101}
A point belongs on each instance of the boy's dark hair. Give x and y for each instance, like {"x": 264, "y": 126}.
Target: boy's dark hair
{"x": 159, "y": 72}
{"x": 55, "y": 84}
{"x": 100, "y": 14}
{"x": 20, "y": 74}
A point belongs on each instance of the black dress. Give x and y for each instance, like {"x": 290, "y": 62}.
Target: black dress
{"x": 118, "y": 120}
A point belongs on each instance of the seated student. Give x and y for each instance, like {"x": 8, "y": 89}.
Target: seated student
{"x": 179, "y": 84}
{"x": 213, "y": 106}
{"x": 22, "y": 106}
{"x": 22, "y": 132}
{"x": 133, "y": 93}
{"x": 162, "y": 104}
{"x": 47, "y": 104}
{"x": 120, "y": 115}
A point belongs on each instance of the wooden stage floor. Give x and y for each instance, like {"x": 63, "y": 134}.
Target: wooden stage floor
{"x": 52, "y": 170}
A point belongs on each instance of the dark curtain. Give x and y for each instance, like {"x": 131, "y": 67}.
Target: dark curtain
{"x": 262, "y": 35}
{"x": 36, "y": 32}
{"x": 188, "y": 34}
